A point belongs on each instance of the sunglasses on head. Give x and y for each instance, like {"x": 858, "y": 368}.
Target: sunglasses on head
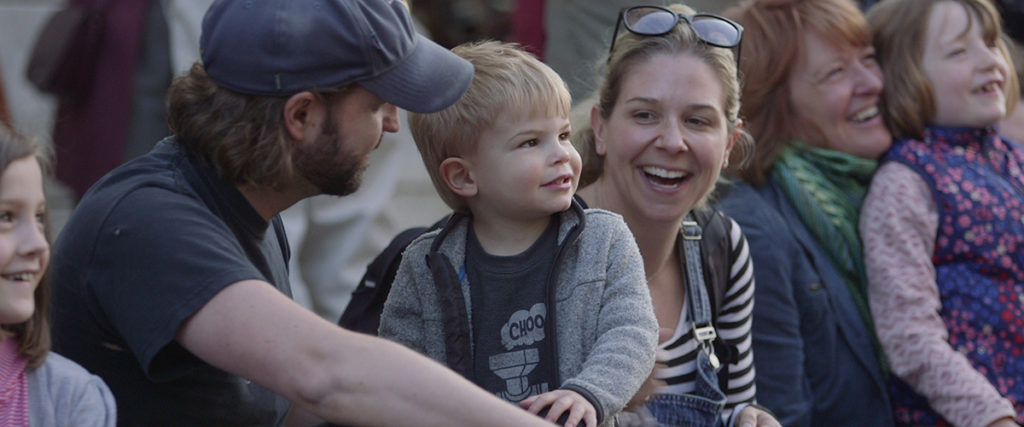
{"x": 656, "y": 20}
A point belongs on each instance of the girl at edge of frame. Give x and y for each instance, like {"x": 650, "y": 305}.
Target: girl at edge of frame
{"x": 42, "y": 388}
{"x": 941, "y": 224}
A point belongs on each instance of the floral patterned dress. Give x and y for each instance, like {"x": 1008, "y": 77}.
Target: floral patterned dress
{"x": 977, "y": 185}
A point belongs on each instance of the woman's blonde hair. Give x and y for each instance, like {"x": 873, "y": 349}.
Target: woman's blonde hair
{"x": 34, "y": 333}
{"x": 908, "y": 99}
{"x": 507, "y": 80}
{"x": 632, "y": 50}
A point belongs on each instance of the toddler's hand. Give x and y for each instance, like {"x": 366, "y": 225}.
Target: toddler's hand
{"x": 559, "y": 401}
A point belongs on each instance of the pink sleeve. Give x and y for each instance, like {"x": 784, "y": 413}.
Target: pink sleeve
{"x": 898, "y": 224}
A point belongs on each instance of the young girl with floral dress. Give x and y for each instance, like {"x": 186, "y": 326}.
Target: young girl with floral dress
{"x": 942, "y": 222}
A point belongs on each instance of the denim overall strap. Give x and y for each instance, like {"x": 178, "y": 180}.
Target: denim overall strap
{"x": 698, "y": 302}
{"x": 703, "y": 406}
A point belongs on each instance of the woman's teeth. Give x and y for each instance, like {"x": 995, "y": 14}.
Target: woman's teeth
{"x": 664, "y": 177}
{"x": 664, "y": 173}
{"x": 989, "y": 87}
{"x": 865, "y": 114}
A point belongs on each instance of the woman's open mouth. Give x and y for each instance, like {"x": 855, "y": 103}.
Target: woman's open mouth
{"x": 664, "y": 178}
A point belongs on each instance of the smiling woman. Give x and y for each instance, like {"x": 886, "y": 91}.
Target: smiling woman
{"x": 811, "y": 100}
{"x": 659, "y": 132}
{"x": 663, "y": 111}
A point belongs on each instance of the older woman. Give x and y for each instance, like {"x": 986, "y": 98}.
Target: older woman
{"x": 811, "y": 99}
{"x": 661, "y": 129}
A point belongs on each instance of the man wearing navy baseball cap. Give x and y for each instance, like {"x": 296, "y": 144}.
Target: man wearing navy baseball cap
{"x": 170, "y": 279}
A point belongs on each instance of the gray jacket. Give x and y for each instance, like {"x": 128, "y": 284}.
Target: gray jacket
{"x": 606, "y": 329}
{"x": 63, "y": 394}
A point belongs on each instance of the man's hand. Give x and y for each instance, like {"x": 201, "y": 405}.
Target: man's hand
{"x": 559, "y": 401}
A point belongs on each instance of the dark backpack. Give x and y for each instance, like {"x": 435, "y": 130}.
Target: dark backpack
{"x": 363, "y": 311}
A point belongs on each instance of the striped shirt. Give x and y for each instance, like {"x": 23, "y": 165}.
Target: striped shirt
{"x": 13, "y": 385}
{"x": 734, "y": 323}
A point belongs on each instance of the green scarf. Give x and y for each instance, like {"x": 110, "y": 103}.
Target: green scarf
{"x": 827, "y": 188}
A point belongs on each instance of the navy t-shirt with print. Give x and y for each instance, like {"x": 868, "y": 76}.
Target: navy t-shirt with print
{"x": 149, "y": 245}
{"x": 511, "y": 338}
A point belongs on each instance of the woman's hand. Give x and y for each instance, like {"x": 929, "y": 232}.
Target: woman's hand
{"x": 752, "y": 416}
{"x": 646, "y": 390}
{"x": 651, "y": 384}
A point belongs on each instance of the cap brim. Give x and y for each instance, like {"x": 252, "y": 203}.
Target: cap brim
{"x": 429, "y": 79}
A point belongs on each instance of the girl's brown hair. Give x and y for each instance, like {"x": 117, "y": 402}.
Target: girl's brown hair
{"x": 773, "y": 41}
{"x": 34, "y": 333}
{"x": 899, "y": 42}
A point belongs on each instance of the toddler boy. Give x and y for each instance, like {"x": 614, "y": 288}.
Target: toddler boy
{"x": 522, "y": 291}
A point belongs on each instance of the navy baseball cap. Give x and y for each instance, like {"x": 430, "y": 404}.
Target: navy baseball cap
{"x": 282, "y": 47}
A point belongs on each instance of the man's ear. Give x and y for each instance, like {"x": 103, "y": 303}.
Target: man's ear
{"x": 458, "y": 175}
{"x": 300, "y": 114}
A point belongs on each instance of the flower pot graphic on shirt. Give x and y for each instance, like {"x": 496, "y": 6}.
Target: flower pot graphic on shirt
{"x": 513, "y": 367}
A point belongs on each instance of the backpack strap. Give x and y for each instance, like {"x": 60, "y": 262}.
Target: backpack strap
{"x": 716, "y": 248}
{"x": 717, "y": 260}
{"x": 696, "y": 291}
{"x": 362, "y": 314}
{"x": 454, "y": 312}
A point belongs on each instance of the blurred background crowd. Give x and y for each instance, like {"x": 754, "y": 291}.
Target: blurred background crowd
{"x": 150, "y": 41}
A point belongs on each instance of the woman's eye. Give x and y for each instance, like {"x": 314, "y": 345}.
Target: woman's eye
{"x": 957, "y": 52}
{"x": 563, "y": 136}
{"x": 833, "y": 72}
{"x": 6, "y": 217}
{"x": 696, "y": 121}
{"x": 644, "y": 116}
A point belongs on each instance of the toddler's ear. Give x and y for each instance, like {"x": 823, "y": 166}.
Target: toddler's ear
{"x": 458, "y": 174}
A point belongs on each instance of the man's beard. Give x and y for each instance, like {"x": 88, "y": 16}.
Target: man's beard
{"x": 327, "y": 167}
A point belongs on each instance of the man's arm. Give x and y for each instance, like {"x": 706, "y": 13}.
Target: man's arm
{"x": 251, "y": 330}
